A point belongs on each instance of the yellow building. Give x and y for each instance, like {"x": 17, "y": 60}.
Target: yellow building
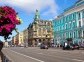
{"x": 19, "y": 39}
{"x": 25, "y": 37}
{"x": 40, "y": 31}
{"x": 14, "y": 40}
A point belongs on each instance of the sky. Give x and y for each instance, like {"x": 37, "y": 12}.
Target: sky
{"x": 48, "y": 10}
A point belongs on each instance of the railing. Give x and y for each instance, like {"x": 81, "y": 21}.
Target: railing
{"x": 4, "y": 58}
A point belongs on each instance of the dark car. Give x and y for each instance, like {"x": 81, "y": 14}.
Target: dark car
{"x": 82, "y": 46}
{"x": 71, "y": 47}
{"x": 75, "y": 46}
{"x": 43, "y": 46}
{"x": 67, "y": 47}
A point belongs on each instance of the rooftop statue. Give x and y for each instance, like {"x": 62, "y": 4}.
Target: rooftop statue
{"x": 37, "y": 15}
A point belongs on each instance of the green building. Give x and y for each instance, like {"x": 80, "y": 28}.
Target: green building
{"x": 70, "y": 24}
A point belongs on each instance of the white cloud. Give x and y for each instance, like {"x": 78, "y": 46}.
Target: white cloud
{"x": 32, "y": 5}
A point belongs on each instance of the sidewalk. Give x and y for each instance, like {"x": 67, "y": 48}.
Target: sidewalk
{"x": 3, "y": 58}
{"x": 1, "y": 55}
{"x": 0, "y": 58}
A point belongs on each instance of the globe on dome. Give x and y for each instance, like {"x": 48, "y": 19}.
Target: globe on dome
{"x": 8, "y": 21}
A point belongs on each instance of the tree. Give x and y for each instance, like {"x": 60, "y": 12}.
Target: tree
{"x": 69, "y": 40}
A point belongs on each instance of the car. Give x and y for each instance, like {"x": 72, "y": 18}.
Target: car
{"x": 82, "y": 46}
{"x": 43, "y": 46}
{"x": 75, "y": 46}
{"x": 67, "y": 47}
{"x": 71, "y": 46}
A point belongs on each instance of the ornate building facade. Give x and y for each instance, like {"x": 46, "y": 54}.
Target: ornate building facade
{"x": 40, "y": 31}
{"x": 70, "y": 24}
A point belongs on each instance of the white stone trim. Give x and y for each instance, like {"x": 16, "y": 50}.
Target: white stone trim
{"x": 82, "y": 33}
{"x": 77, "y": 20}
{"x": 81, "y": 18}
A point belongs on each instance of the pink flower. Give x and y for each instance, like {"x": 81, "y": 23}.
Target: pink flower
{"x": 8, "y": 20}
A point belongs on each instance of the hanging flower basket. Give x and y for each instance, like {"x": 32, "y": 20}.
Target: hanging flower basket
{"x": 8, "y": 21}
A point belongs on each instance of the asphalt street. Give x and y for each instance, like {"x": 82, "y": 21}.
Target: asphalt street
{"x": 35, "y": 54}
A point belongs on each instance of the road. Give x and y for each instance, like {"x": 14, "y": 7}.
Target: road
{"x": 35, "y": 54}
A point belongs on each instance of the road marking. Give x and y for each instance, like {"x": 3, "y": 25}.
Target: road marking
{"x": 78, "y": 60}
{"x": 27, "y": 56}
{"x": 7, "y": 57}
{"x": 66, "y": 51}
{"x": 82, "y": 52}
{"x": 39, "y": 53}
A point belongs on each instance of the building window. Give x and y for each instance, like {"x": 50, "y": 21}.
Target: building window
{"x": 83, "y": 14}
{"x": 73, "y": 16}
{"x": 70, "y": 26}
{"x": 66, "y": 25}
{"x": 62, "y": 27}
{"x": 79, "y": 33}
{"x": 45, "y": 23}
{"x": 79, "y": 16}
{"x": 83, "y": 34}
{"x": 61, "y": 21}
{"x": 73, "y": 24}
{"x": 48, "y": 23}
{"x": 70, "y": 34}
{"x": 65, "y": 19}
{"x": 69, "y": 17}
{"x": 66, "y": 35}
{"x": 74, "y": 35}
{"x": 79, "y": 23}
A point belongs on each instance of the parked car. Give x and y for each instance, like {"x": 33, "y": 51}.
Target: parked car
{"x": 82, "y": 46}
{"x": 75, "y": 46}
{"x": 43, "y": 46}
{"x": 71, "y": 46}
{"x": 67, "y": 47}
